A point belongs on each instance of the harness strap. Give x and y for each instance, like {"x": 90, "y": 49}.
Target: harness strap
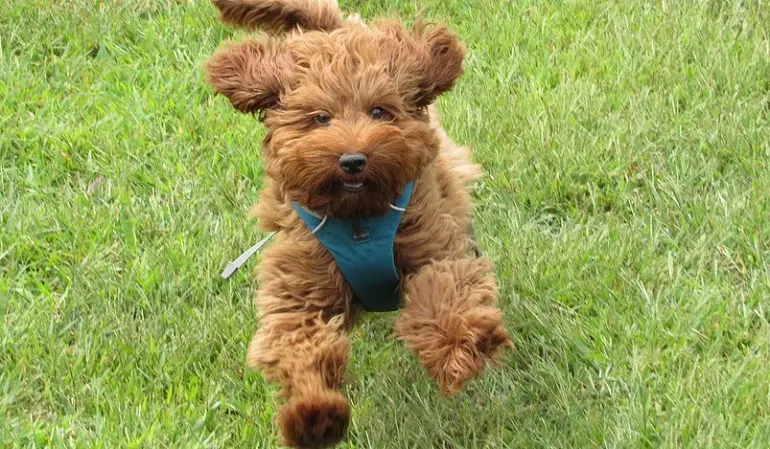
{"x": 363, "y": 250}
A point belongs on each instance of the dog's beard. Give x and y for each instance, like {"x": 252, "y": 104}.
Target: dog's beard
{"x": 328, "y": 192}
{"x": 306, "y": 165}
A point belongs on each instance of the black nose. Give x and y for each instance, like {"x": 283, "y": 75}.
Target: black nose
{"x": 352, "y": 163}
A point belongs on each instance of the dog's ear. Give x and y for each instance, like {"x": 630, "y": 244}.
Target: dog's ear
{"x": 442, "y": 63}
{"x": 427, "y": 62}
{"x": 277, "y": 16}
{"x": 253, "y": 74}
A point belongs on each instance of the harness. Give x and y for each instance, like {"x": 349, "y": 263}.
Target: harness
{"x": 363, "y": 250}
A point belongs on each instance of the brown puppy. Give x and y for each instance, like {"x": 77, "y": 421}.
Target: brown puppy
{"x": 325, "y": 87}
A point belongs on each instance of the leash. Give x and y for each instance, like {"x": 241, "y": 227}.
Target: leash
{"x": 233, "y": 266}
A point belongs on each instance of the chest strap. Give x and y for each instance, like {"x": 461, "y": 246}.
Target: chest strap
{"x": 363, "y": 250}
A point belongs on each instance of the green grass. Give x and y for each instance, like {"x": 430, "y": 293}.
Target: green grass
{"x": 627, "y": 207}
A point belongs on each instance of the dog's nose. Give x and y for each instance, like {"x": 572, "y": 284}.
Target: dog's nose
{"x": 352, "y": 163}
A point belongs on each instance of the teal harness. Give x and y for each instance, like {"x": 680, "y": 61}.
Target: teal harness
{"x": 363, "y": 250}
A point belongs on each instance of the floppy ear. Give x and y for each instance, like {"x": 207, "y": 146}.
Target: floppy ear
{"x": 442, "y": 63}
{"x": 252, "y": 74}
{"x": 427, "y": 61}
{"x": 276, "y": 16}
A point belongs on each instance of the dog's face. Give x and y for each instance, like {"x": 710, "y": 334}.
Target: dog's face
{"x": 345, "y": 110}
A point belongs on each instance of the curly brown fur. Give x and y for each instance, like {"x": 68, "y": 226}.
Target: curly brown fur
{"x": 314, "y": 419}
{"x": 450, "y": 321}
{"x": 353, "y": 88}
{"x": 277, "y": 16}
{"x": 251, "y": 73}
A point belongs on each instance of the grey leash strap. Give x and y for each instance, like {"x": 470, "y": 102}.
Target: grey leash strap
{"x": 233, "y": 266}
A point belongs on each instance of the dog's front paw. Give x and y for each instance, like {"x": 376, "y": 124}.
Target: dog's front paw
{"x": 486, "y": 324}
{"x": 464, "y": 353}
{"x": 314, "y": 420}
{"x": 465, "y": 360}
{"x": 460, "y": 363}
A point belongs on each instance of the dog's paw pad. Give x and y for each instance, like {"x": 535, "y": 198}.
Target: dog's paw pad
{"x": 315, "y": 421}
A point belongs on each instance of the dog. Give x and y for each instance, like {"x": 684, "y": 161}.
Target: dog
{"x": 367, "y": 195}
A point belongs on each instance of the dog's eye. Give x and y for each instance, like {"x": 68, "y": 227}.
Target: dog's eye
{"x": 322, "y": 118}
{"x": 380, "y": 114}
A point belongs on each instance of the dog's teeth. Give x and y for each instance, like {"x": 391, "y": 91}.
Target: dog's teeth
{"x": 353, "y": 185}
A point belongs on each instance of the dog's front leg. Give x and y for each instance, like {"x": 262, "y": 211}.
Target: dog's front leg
{"x": 450, "y": 319}
{"x": 301, "y": 342}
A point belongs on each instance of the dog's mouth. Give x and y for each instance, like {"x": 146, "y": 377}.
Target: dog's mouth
{"x": 353, "y": 186}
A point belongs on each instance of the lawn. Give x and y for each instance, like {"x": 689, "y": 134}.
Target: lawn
{"x": 627, "y": 207}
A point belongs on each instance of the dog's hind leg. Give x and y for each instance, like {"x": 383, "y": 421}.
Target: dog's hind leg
{"x": 457, "y": 157}
{"x": 451, "y": 321}
{"x": 302, "y": 343}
